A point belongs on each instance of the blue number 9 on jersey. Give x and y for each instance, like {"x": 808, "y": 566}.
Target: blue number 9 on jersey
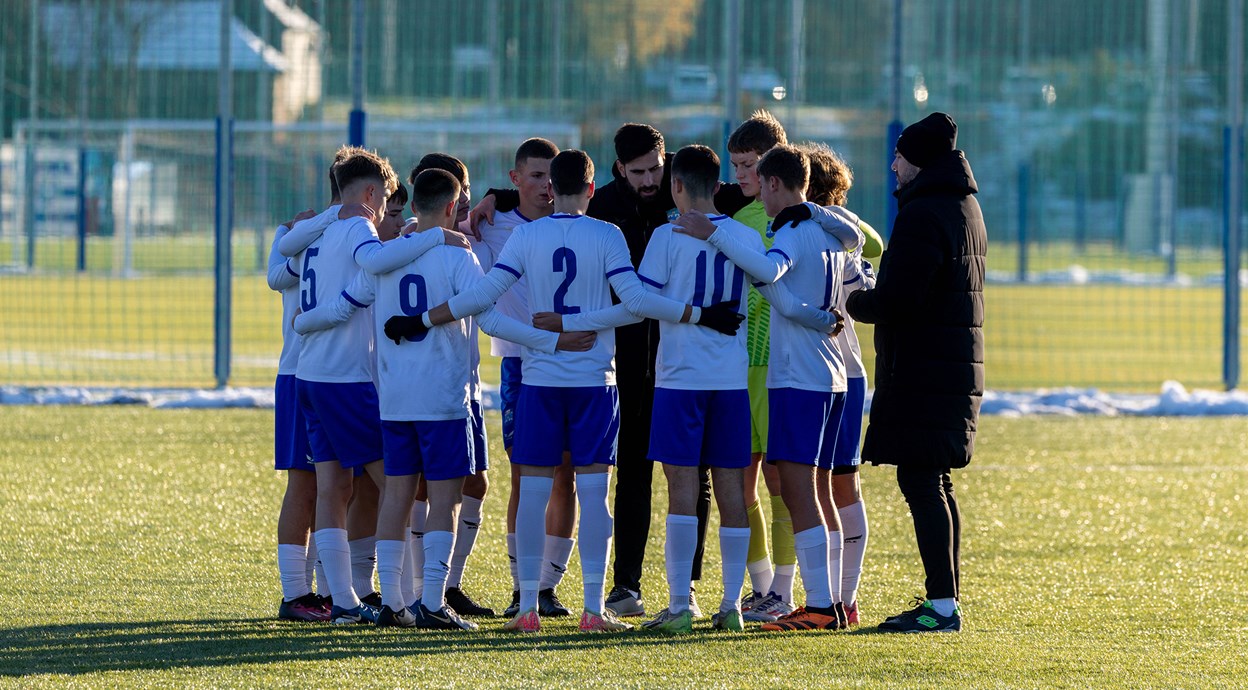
{"x": 416, "y": 306}
{"x": 564, "y": 261}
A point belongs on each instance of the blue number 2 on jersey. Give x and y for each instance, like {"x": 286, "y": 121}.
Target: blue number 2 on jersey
{"x": 417, "y": 306}
{"x": 564, "y": 261}
{"x": 307, "y": 296}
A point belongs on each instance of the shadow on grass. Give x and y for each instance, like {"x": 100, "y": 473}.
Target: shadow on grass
{"x": 96, "y": 647}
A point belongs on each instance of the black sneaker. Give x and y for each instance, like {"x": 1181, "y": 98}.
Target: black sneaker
{"x": 514, "y": 607}
{"x": 548, "y": 604}
{"x": 923, "y": 619}
{"x": 444, "y": 618}
{"x": 464, "y": 605}
{"x": 915, "y": 604}
{"x": 624, "y": 602}
{"x": 373, "y": 599}
{"x": 403, "y": 618}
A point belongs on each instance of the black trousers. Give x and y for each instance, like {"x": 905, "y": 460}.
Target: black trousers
{"x": 634, "y": 473}
{"x": 937, "y": 527}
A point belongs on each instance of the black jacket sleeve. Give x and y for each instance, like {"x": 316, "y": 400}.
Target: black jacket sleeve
{"x": 906, "y": 273}
{"x": 504, "y": 199}
{"x": 730, "y": 199}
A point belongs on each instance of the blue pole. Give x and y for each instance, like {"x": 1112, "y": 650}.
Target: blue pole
{"x": 894, "y": 125}
{"x": 1024, "y": 184}
{"x": 81, "y": 262}
{"x": 1233, "y": 164}
{"x": 224, "y": 211}
{"x": 355, "y": 125}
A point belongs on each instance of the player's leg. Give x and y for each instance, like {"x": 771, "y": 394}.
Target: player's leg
{"x": 509, "y": 393}
{"x": 784, "y": 557}
{"x": 703, "y": 513}
{"x": 831, "y": 518}
{"x": 560, "y": 525}
{"x": 475, "y": 487}
{"x": 392, "y": 537}
{"x": 925, "y": 493}
{"x": 634, "y": 480}
{"x": 725, "y": 449}
{"x": 362, "y": 515}
{"x": 416, "y": 539}
{"x": 847, "y": 495}
{"x": 294, "y": 520}
{"x": 759, "y": 559}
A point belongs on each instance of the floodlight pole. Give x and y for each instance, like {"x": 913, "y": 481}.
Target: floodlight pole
{"x": 1234, "y": 166}
{"x": 731, "y": 76}
{"x": 355, "y": 126}
{"x": 32, "y": 164}
{"x": 224, "y": 216}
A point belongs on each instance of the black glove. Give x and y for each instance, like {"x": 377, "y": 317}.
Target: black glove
{"x": 791, "y": 215}
{"x": 399, "y": 327}
{"x": 722, "y": 317}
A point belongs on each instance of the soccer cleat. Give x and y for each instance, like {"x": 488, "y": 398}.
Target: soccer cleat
{"x": 513, "y": 608}
{"x": 464, "y": 605}
{"x": 842, "y": 618}
{"x": 527, "y": 622}
{"x": 672, "y": 623}
{"x": 694, "y": 609}
{"x": 922, "y": 619}
{"x": 360, "y": 614}
{"x": 915, "y": 604}
{"x": 625, "y": 603}
{"x": 403, "y": 618}
{"x": 751, "y": 600}
{"x": 373, "y": 599}
{"x": 444, "y": 618}
{"x": 548, "y": 604}
{"x": 851, "y": 613}
{"x": 728, "y": 620}
{"x": 602, "y": 622}
{"x": 807, "y": 618}
{"x": 306, "y": 608}
{"x": 771, "y": 608}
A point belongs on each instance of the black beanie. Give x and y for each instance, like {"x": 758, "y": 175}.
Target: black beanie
{"x": 923, "y": 142}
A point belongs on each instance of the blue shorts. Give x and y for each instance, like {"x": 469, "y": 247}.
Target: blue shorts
{"x": 344, "y": 422}
{"x": 439, "y": 450}
{"x": 692, "y": 428}
{"x": 290, "y": 432}
{"x": 550, "y": 420}
{"x": 804, "y": 425}
{"x": 847, "y": 459}
{"x": 509, "y": 392}
{"x": 480, "y": 444}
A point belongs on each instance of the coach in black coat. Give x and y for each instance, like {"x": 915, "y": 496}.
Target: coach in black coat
{"x": 928, "y": 311}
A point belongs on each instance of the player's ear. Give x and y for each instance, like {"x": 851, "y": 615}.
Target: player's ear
{"x": 678, "y": 186}
{"x": 515, "y": 178}
{"x": 619, "y": 167}
{"x": 590, "y": 192}
{"x": 451, "y": 207}
{"x": 715, "y": 191}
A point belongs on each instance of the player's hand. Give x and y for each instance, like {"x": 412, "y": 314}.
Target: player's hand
{"x": 576, "y": 341}
{"x": 868, "y": 271}
{"x": 694, "y": 224}
{"x": 548, "y": 321}
{"x": 791, "y": 216}
{"x": 357, "y": 210}
{"x": 840, "y": 323}
{"x": 399, "y": 327}
{"x": 455, "y": 239}
{"x": 298, "y": 311}
{"x": 483, "y": 211}
{"x": 302, "y": 215}
{"x": 722, "y": 317}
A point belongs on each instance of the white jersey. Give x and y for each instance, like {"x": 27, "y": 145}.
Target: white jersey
{"x": 690, "y": 270}
{"x": 515, "y": 302}
{"x": 847, "y": 341}
{"x": 285, "y": 280}
{"x": 344, "y": 353}
{"x": 572, "y": 263}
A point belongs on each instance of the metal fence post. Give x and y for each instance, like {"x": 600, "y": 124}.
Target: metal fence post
{"x": 1233, "y": 163}
{"x": 223, "y": 261}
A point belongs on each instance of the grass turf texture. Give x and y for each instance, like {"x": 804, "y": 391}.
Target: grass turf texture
{"x": 139, "y": 551}
{"x": 158, "y": 331}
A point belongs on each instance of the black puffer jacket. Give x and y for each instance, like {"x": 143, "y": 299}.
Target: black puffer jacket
{"x": 928, "y": 311}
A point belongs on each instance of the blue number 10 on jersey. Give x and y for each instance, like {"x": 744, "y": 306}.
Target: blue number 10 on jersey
{"x": 718, "y": 277}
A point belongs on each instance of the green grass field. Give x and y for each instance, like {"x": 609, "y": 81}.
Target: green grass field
{"x": 138, "y": 550}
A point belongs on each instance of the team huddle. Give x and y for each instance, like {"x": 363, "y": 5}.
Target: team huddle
{"x": 731, "y": 311}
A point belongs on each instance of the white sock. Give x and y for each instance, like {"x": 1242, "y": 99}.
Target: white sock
{"x": 416, "y": 542}
{"x": 944, "y": 607}
{"x": 390, "y": 557}
{"x": 835, "y": 547}
{"x": 363, "y": 563}
{"x": 812, "y": 557}
{"x": 407, "y": 581}
{"x": 854, "y": 527}
{"x": 531, "y": 536}
{"x": 465, "y": 539}
{"x": 310, "y": 565}
{"x": 595, "y": 532}
{"x": 438, "y": 547}
{"x": 682, "y": 541}
{"x": 734, "y": 547}
{"x": 511, "y": 561}
{"x": 555, "y": 560}
{"x": 782, "y": 582}
{"x": 761, "y": 575}
{"x": 292, "y": 569}
{"x": 331, "y": 544}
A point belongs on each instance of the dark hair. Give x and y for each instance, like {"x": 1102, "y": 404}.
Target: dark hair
{"x": 399, "y": 196}
{"x": 759, "y": 134}
{"x": 362, "y": 164}
{"x": 433, "y": 189}
{"x": 571, "y": 172}
{"x": 536, "y": 147}
{"x": 830, "y": 175}
{"x": 697, "y": 167}
{"x": 788, "y": 164}
{"x": 441, "y": 161}
{"x": 634, "y": 140}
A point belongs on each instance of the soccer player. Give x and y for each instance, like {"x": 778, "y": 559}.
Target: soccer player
{"x": 570, "y": 402}
{"x": 530, "y": 177}
{"x": 806, "y": 390}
